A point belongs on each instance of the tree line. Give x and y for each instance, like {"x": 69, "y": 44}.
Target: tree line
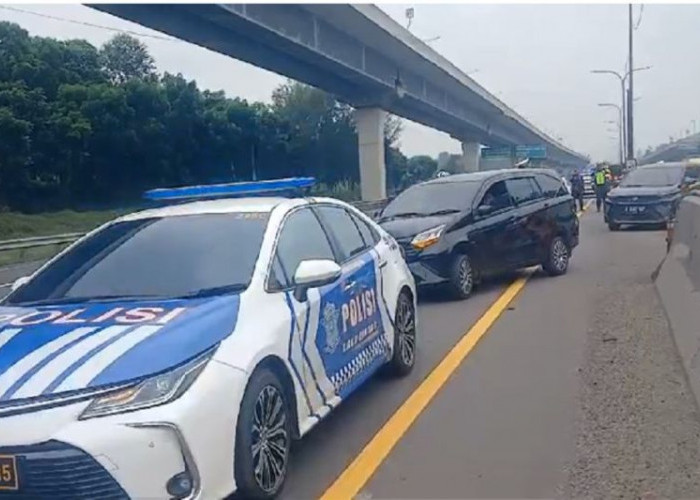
{"x": 82, "y": 126}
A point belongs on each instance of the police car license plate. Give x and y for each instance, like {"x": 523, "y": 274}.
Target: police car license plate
{"x": 635, "y": 210}
{"x": 9, "y": 479}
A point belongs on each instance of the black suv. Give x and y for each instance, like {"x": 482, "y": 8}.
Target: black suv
{"x": 454, "y": 230}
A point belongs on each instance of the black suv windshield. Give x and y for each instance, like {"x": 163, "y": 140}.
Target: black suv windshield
{"x": 653, "y": 177}
{"x": 155, "y": 257}
{"x": 432, "y": 198}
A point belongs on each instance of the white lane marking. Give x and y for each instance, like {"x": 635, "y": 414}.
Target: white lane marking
{"x": 82, "y": 376}
{"x": 44, "y": 377}
{"x": 6, "y": 335}
{"x": 37, "y": 356}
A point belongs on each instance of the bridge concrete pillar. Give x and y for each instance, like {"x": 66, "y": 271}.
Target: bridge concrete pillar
{"x": 370, "y": 137}
{"x": 471, "y": 152}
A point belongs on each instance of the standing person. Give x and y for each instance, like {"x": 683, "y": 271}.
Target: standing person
{"x": 577, "y": 188}
{"x": 600, "y": 181}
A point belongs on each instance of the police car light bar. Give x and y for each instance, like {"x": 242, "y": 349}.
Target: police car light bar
{"x": 232, "y": 190}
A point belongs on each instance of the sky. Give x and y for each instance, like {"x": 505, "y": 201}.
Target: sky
{"x": 535, "y": 58}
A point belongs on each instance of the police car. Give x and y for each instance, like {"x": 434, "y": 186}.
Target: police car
{"x": 176, "y": 352}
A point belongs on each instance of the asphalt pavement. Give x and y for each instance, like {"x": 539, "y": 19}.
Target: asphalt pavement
{"x": 575, "y": 391}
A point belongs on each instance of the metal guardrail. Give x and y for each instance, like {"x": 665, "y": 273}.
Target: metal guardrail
{"x": 38, "y": 241}
{"x": 371, "y": 208}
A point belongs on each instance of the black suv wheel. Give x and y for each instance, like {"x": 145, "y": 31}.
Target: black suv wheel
{"x": 557, "y": 261}
{"x": 461, "y": 276}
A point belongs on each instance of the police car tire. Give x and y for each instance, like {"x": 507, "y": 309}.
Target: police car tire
{"x": 244, "y": 467}
{"x": 399, "y": 365}
{"x": 461, "y": 264}
{"x": 553, "y": 266}
{"x": 613, "y": 226}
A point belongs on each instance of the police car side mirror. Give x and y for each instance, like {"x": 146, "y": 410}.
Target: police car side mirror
{"x": 312, "y": 274}
{"x": 484, "y": 210}
{"x": 19, "y": 282}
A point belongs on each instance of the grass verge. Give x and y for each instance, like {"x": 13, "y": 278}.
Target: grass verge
{"x": 16, "y": 225}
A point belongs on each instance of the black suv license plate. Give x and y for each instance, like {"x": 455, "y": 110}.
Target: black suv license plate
{"x": 8, "y": 473}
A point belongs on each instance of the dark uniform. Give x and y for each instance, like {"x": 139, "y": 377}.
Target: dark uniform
{"x": 577, "y": 188}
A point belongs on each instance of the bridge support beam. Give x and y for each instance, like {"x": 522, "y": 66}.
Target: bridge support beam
{"x": 370, "y": 137}
{"x": 471, "y": 152}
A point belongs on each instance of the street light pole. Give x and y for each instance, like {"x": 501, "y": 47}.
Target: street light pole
{"x": 630, "y": 97}
{"x": 624, "y": 104}
{"x": 619, "y": 135}
{"x": 620, "y": 119}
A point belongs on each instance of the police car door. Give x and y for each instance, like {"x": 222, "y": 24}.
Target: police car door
{"x": 351, "y": 336}
{"x": 302, "y": 238}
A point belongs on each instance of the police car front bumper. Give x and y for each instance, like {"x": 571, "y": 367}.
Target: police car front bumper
{"x": 184, "y": 446}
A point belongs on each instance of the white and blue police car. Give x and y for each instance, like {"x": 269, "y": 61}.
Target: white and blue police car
{"x": 176, "y": 352}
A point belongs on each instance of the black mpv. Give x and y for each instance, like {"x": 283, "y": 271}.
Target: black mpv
{"x": 455, "y": 230}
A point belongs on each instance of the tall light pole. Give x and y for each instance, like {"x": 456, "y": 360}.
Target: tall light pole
{"x": 630, "y": 97}
{"x": 619, "y": 136}
{"x": 620, "y": 119}
{"x": 623, "y": 101}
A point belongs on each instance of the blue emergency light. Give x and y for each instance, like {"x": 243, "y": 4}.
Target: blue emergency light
{"x": 231, "y": 190}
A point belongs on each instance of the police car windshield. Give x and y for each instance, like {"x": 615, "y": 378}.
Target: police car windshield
{"x": 653, "y": 177}
{"x": 183, "y": 256}
{"x": 432, "y": 198}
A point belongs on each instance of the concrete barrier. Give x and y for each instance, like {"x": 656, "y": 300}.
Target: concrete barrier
{"x": 678, "y": 284}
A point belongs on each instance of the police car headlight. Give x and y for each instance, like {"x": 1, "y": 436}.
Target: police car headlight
{"x": 427, "y": 238}
{"x": 154, "y": 391}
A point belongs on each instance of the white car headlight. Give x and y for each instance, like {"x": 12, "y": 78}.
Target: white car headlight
{"x": 153, "y": 391}
{"x": 427, "y": 238}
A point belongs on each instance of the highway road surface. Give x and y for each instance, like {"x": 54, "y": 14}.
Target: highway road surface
{"x": 535, "y": 387}
{"x": 575, "y": 390}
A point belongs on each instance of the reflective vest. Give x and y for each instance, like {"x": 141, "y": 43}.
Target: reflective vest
{"x": 600, "y": 178}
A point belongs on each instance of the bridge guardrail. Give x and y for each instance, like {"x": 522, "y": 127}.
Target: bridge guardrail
{"x": 677, "y": 281}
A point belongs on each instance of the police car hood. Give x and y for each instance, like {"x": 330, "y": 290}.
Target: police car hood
{"x": 643, "y": 191}
{"x": 49, "y": 350}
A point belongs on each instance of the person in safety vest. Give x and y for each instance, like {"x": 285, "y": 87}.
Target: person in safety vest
{"x": 600, "y": 184}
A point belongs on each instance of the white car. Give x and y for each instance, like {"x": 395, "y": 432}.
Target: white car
{"x": 176, "y": 352}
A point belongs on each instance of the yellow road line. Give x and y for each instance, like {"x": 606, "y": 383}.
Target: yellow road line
{"x": 363, "y": 467}
{"x": 370, "y": 458}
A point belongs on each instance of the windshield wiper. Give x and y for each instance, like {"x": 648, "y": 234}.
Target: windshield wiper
{"x": 444, "y": 212}
{"x": 215, "y": 290}
{"x": 401, "y": 215}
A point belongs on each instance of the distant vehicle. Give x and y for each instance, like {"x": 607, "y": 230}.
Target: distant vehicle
{"x": 177, "y": 352}
{"x": 588, "y": 189}
{"x": 458, "y": 229}
{"x": 649, "y": 194}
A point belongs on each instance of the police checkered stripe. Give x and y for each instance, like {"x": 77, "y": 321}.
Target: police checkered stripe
{"x": 347, "y": 373}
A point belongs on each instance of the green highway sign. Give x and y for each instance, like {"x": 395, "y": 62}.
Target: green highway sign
{"x": 500, "y": 152}
{"x": 535, "y": 152}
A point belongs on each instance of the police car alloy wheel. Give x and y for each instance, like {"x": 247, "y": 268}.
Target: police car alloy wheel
{"x": 558, "y": 259}
{"x": 404, "y": 356}
{"x": 462, "y": 276}
{"x": 263, "y": 437}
